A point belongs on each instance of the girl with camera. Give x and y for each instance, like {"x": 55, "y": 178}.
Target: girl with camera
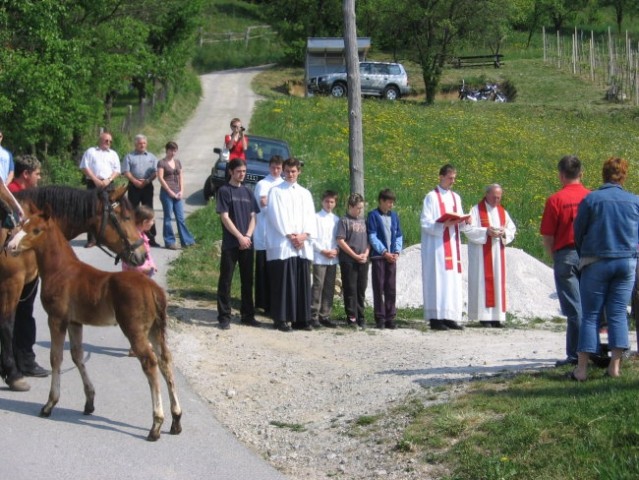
{"x": 236, "y": 142}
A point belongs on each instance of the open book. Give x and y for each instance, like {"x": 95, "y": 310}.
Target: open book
{"x": 453, "y": 216}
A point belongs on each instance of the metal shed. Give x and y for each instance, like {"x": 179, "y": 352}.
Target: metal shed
{"x": 326, "y": 55}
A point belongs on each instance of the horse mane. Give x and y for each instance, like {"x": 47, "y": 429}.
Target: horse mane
{"x": 76, "y": 205}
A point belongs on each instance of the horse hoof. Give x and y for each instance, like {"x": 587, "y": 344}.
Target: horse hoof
{"x": 88, "y": 409}
{"x": 176, "y": 429}
{"x": 153, "y": 437}
{"x": 19, "y": 385}
{"x": 45, "y": 413}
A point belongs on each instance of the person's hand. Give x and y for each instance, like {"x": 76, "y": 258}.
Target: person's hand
{"x": 297, "y": 240}
{"x": 245, "y": 242}
{"x": 390, "y": 257}
{"x": 362, "y": 258}
{"x": 330, "y": 253}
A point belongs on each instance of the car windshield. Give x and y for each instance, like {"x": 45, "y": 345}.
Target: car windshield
{"x": 262, "y": 150}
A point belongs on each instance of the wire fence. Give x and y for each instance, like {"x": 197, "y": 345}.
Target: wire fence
{"x": 253, "y": 32}
{"x": 611, "y": 60}
{"x": 136, "y": 115}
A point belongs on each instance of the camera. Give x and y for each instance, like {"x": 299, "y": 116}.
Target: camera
{"x": 242, "y": 129}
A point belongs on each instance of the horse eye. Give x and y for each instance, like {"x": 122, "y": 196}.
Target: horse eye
{"x": 36, "y": 231}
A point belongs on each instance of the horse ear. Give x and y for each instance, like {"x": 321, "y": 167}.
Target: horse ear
{"x": 118, "y": 193}
{"x": 47, "y": 212}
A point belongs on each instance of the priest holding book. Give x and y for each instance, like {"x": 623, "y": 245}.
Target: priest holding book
{"x": 442, "y": 220}
{"x": 492, "y": 229}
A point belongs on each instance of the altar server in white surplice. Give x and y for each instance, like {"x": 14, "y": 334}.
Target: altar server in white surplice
{"x": 441, "y": 254}
{"x": 491, "y": 230}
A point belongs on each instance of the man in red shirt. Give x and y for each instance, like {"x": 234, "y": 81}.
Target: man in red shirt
{"x": 559, "y": 241}
{"x": 27, "y": 175}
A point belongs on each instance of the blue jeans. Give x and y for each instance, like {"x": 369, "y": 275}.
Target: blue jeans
{"x": 566, "y": 273}
{"x": 176, "y": 206}
{"x": 606, "y": 285}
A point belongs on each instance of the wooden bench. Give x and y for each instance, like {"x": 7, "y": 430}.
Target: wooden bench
{"x": 477, "y": 61}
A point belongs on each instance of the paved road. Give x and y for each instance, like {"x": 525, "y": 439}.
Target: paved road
{"x": 110, "y": 444}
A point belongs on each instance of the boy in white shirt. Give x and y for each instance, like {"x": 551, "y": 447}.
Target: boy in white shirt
{"x": 325, "y": 262}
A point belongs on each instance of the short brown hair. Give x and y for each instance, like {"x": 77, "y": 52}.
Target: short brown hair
{"x": 615, "y": 170}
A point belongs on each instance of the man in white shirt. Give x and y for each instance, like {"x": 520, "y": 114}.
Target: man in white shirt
{"x": 491, "y": 230}
{"x": 6, "y": 164}
{"x": 262, "y": 280}
{"x": 101, "y": 166}
{"x": 291, "y": 227}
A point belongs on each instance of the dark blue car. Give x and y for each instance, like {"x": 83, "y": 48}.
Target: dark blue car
{"x": 260, "y": 151}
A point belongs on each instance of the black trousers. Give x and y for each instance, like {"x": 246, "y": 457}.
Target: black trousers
{"x": 354, "y": 283}
{"x": 229, "y": 258}
{"x": 24, "y": 329}
{"x": 143, "y": 196}
{"x": 291, "y": 292}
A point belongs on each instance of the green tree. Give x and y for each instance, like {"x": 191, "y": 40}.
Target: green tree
{"x": 296, "y": 20}
{"x": 621, "y": 8}
{"x": 429, "y": 31}
{"x": 63, "y": 62}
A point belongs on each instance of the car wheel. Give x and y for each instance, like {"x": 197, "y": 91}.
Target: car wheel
{"x": 391, "y": 93}
{"x": 208, "y": 191}
{"x": 338, "y": 90}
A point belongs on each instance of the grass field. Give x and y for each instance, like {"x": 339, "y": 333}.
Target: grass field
{"x": 515, "y": 144}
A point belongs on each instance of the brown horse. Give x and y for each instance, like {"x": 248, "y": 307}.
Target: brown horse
{"x": 107, "y": 214}
{"x": 76, "y": 294}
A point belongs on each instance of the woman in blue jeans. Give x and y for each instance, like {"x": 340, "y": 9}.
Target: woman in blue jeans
{"x": 606, "y": 237}
{"x": 171, "y": 180}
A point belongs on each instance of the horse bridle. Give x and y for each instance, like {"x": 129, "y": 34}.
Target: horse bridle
{"x": 108, "y": 214}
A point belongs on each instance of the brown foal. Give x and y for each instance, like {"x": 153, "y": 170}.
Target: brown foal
{"x": 76, "y": 294}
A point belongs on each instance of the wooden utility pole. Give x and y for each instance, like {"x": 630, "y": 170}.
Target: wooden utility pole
{"x": 355, "y": 137}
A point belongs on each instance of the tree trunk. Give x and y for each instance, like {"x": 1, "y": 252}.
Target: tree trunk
{"x": 355, "y": 138}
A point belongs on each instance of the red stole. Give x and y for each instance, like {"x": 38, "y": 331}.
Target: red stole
{"x": 489, "y": 275}
{"x": 448, "y": 253}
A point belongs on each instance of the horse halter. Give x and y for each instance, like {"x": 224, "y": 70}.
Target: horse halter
{"x": 108, "y": 214}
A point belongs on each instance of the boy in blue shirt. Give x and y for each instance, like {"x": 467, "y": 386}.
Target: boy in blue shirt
{"x": 386, "y": 240}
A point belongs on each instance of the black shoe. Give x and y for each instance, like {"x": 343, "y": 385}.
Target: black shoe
{"x": 437, "y": 325}
{"x": 452, "y": 325}
{"x": 361, "y": 323}
{"x": 35, "y": 370}
{"x": 316, "y": 324}
{"x": 390, "y": 325}
{"x": 380, "y": 324}
{"x": 302, "y": 326}
{"x": 486, "y": 324}
{"x": 250, "y": 322}
{"x": 225, "y": 325}
{"x": 497, "y": 324}
{"x": 328, "y": 324}
{"x": 566, "y": 361}
{"x": 282, "y": 327}
{"x": 153, "y": 243}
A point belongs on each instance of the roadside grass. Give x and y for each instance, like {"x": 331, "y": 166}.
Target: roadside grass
{"x": 533, "y": 426}
{"x": 226, "y": 19}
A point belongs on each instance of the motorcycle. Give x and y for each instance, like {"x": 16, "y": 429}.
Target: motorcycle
{"x": 489, "y": 92}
